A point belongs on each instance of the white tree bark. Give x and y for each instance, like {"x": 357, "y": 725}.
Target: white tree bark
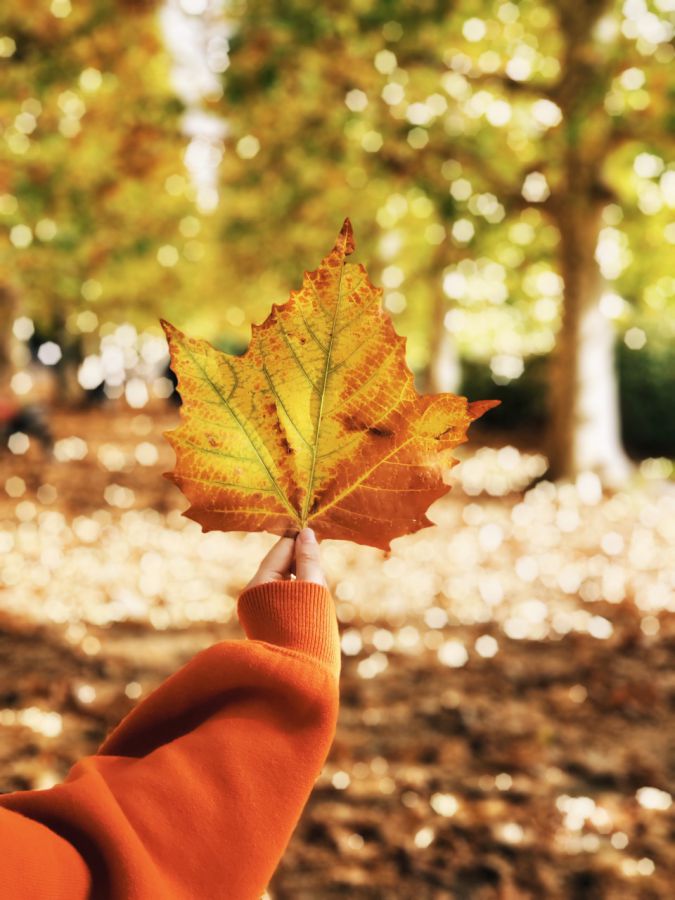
{"x": 584, "y": 433}
{"x": 597, "y": 432}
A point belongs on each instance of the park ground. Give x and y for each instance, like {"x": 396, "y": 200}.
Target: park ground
{"x": 506, "y": 727}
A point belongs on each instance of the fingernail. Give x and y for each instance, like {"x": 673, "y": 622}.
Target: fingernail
{"x": 307, "y": 534}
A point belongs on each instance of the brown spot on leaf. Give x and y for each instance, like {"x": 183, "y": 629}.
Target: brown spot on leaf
{"x": 353, "y": 423}
{"x": 284, "y": 443}
{"x": 379, "y": 432}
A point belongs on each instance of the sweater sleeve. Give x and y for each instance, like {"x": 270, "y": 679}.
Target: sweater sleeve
{"x": 196, "y": 793}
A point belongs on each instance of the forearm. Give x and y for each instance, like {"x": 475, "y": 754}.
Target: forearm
{"x": 200, "y": 787}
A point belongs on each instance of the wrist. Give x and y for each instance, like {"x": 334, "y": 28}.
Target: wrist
{"x": 298, "y": 615}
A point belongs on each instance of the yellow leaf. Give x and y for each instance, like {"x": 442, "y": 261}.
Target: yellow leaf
{"x": 318, "y": 423}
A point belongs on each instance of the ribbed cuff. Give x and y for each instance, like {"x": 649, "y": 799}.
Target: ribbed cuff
{"x": 298, "y": 615}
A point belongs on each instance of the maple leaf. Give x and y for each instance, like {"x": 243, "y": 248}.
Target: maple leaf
{"x": 318, "y": 423}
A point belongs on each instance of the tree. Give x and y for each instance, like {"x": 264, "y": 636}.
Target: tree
{"x": 493, "y": 144}
{"x": 96, "y": 219}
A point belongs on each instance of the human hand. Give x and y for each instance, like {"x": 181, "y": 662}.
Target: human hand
{"x": 299, "y": 555}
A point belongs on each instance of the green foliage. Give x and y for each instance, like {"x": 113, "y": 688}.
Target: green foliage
{"x": 91, "y": 133}
{"x": 647, "y": 383}
{"x": 523, "y": 400}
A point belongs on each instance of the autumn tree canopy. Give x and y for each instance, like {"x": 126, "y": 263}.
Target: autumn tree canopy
{"x": 514, "y": 158}
{"x": 92, "y": 182}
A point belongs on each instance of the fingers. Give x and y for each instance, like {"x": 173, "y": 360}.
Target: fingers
{"x": 299, "y": 555}
{"x": 276, "y": 566}
{"x": 307, "y": 558}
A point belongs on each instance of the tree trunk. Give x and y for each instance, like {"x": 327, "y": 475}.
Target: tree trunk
{"x": 584, "y": 430}
{"x": 7, "y": 312}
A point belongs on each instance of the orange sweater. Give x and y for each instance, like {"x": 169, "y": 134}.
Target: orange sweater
{"x": 195, "y": 795}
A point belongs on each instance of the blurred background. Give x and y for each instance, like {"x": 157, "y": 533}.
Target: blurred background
{"x": 506, "y": 727}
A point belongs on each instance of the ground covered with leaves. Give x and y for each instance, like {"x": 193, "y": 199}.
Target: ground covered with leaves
{"x": 506, "y": 727}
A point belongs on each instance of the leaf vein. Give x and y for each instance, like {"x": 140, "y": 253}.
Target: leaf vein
{"x": 226, "y": 402}
{"x": 277, "y": 395}
{"x": 295, "y": 355}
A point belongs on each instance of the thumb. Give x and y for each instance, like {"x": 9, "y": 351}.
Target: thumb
{"x": 307, "y": 558}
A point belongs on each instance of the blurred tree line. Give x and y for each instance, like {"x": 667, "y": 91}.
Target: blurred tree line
{"x": 91, "y": 187}
{"x": 508, "y": 168}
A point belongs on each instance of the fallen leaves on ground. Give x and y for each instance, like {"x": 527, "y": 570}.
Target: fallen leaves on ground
{"x": 507, "y": 686}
